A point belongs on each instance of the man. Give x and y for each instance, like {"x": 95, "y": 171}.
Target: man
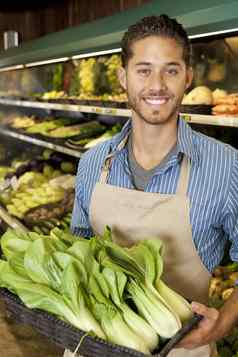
{"x": 159, "y": 178}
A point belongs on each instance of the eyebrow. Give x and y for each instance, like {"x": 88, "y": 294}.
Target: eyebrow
{"x": 167, "y": 64}
{"x": 143, "y": 64}
{"x": 174, "y": 64}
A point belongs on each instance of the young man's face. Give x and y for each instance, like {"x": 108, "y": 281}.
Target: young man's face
{"x": 155, "y": 79}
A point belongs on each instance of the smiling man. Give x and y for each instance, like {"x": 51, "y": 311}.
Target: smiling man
{"x": 160, "y": 179}
{"x": 155, "y": 76}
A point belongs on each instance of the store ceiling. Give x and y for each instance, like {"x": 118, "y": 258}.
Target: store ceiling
{"x": 25, "y": 5}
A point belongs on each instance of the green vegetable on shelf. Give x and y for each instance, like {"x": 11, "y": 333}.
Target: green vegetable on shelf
{"x": 57, "y": 80}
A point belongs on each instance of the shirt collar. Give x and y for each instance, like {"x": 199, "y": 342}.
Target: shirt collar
{"x": 185, "y": 139}
{"x": 186, "y": 143}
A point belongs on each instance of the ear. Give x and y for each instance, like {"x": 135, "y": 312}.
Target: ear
{"x": 121, "y": 74}
{"x": 189, "y": 77}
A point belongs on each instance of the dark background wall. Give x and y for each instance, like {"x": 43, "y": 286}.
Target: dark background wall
{"x": 33, "y": 19}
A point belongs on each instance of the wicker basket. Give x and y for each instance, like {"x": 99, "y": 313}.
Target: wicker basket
{"x": 60, "y": 332}
{"x": 67, "y": 336}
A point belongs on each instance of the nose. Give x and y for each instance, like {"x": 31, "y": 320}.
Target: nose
{"x": 156, "y": 82}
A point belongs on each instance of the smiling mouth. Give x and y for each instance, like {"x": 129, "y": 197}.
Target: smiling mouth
{"x": 156, "y": 101}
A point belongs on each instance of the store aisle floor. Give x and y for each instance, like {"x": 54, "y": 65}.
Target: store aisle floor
{"x": 21, "y": 341}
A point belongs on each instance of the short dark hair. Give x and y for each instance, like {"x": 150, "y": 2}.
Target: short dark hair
{"x": 155, "y": 26}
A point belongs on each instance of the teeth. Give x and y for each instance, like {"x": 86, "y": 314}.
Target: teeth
{"x": 156, "y": 101}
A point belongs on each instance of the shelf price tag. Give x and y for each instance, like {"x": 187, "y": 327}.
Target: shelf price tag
{"x": 187, "y": 117}
{"x": 111, "y": 111}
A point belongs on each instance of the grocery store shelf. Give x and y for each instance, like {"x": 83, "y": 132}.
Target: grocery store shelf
{"x": 211, "y": 119}
{"x": 11, "y": 221}
{"x": 220, "y": 120}
{"x": 39, "y": 142}
{"x": 67, "y": 107}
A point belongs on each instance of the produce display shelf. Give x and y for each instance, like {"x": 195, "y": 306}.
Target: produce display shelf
{"x": 220, "y": 120}
{"x": 67, "y": 107}
{"x": 39, "y": 142}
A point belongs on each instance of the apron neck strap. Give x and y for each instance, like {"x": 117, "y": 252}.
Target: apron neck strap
{"x": 105, "y": 170}
{"x": 107, "y": 163}
{"x": 183, "y": 176}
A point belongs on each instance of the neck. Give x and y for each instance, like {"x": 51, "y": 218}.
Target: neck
{"x": 152, "y": 143}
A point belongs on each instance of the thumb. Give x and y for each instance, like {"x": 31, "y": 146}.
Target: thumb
{"x": 209, "y": 313}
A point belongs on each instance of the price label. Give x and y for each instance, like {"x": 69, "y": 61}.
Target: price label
{"x": 187, "y": 117}
{"x": 111, "y": 111}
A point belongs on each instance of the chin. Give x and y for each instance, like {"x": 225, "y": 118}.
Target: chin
{"x": 157, "y": 121}
{"x": 157, "y": 118}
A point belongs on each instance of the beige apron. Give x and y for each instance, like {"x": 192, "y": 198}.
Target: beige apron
{"x": 135, "y": 215}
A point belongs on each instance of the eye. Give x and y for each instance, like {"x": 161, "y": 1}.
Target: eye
{"x": 144, "y": 71}
{"x": 172, "y": 71}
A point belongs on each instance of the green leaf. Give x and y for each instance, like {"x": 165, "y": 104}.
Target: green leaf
{"x": 13, "y": 242}
{"x": 64, "y": 236}
{"x": 102, "y": 282}
{"x": 107, "y": 234}
{"x": 121, "y": 283}
{"x": 81, "y": 250}
{"x": 95, "y": 289}
{"x": 64, "y": 259}
{"x": 111, "y": 279}
{"x": 145, "y": 259}
{"x": 53, "y": 271}
{"x": 157, "y": 249}
{"x": 121, "y": 258}
{"x": 71, "y": 286}
{"x": 16, "y": 262}
{"x": 9, "y": 278}
{"x": 40, "y": 267}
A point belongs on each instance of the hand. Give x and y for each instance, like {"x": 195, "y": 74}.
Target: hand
{"x": 209, "y": 329}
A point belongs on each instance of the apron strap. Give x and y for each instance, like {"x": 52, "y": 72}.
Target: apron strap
{"x": 183, "y": 176}
{"x": 183, "y": 180}
{"x": 108, "y": 161}
{"x": 105, "y": 170}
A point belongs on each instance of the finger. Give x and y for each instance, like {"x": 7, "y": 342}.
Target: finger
{"x": 208, "y": 312}
{"x": 203, "y": 333}
{"x": 193, "y": 339}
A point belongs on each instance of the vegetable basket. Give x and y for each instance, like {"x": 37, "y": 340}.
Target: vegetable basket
{"x": 60, "y": 332}
{"x": 69, "y": 337}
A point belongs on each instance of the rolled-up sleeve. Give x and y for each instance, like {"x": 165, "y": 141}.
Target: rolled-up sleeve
{"x": 231, "y": 222}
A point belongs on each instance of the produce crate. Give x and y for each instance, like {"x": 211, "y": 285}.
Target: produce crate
{"x": 67, "y": 336}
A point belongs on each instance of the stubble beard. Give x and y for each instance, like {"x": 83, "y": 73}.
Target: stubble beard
{"x": 155, "y": 118}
